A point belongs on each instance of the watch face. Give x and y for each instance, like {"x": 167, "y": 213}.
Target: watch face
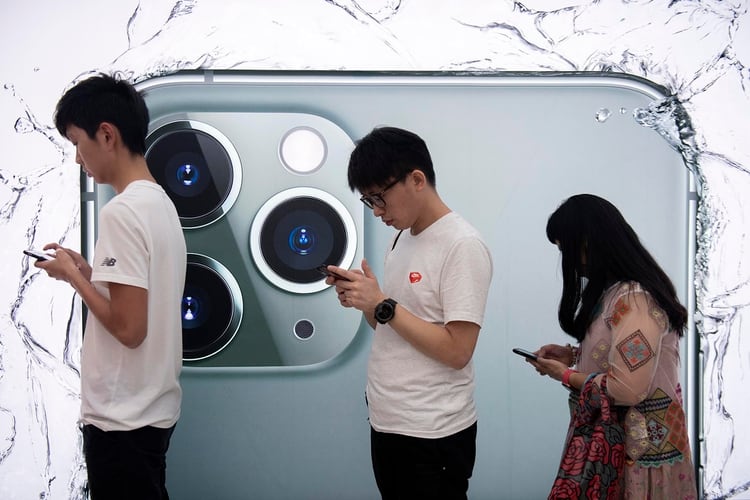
{"x": 384, "y": 311}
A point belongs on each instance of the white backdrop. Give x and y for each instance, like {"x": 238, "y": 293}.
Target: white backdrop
{"x": 698, "y": 50}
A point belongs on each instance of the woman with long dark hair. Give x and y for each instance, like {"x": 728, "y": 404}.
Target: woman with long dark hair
{"x": 623, "y": 311}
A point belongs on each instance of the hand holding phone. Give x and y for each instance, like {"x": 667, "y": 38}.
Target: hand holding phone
{"x": 323, "y": 269}
{"x": 526, "y": 354}
{"x": 38, "y": 255}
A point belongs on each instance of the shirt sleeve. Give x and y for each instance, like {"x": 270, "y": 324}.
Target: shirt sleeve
{"x": 638, "y": 326}
{"x": 121, "y": 254}
{"x": 465, "y": 281}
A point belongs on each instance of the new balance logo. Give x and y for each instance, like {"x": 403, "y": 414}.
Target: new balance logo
{"x": 109, "y": 261}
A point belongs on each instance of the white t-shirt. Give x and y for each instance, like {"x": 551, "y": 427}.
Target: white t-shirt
{"x": 141, "y": 244}
{"x": 441, "y": 275}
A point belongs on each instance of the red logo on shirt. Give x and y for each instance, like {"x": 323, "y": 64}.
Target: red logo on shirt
{"x": 415, "y": 277}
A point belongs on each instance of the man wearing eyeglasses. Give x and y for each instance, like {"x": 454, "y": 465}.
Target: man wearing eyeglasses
{"x": 426, "y": 316}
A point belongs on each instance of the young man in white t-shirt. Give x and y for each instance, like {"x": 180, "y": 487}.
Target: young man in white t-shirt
{"x": 132, "y": 347}
{"x": 426, "y": 316}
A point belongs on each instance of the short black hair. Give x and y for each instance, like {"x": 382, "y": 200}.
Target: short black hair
{"x": 104, "y": 98}
{"x": 387, "y": 154}
{"x": 588, "y": 225}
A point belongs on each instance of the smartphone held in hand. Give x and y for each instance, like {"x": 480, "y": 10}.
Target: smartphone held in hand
{"x": 324, "y": 270}
{"x": 38, "y": 255}
{"x": 526, "y": 354}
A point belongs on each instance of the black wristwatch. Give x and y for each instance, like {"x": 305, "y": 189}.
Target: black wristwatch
{"x": 385, "y": 310}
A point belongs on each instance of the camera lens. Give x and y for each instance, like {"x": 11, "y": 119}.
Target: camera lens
{"x": 301, "y": 234}
{"x": 298, "y": 230}
{"x": 197, "y": 167}
{"x": 211, "y": 308}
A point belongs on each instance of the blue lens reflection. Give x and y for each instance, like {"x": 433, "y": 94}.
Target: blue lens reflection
{"x": 191, "y": 310}
{"x": 187, "y": 174}
{"x": 301, "y": 240}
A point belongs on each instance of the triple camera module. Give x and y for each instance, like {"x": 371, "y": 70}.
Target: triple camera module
{"x": 263, "y": 202}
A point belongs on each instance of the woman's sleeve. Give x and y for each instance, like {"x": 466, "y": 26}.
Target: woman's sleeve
{"x": 638, "y": 326}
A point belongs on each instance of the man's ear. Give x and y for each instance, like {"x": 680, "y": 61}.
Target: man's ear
{"x": 109, "y": 133}
{"x": 418, "y": 178}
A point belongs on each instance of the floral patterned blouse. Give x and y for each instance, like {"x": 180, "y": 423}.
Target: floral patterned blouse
{"x": 630, "y": 342}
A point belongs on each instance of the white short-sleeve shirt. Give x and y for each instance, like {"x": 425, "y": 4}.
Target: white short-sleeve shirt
{"x": 440, "y": 275}
{"x": 140, "y": 244}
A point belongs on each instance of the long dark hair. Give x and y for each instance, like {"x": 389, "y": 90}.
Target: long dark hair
{"x": 597, "y": 242}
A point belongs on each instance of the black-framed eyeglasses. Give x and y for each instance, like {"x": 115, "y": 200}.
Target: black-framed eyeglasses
{"x": 376, "y": 200}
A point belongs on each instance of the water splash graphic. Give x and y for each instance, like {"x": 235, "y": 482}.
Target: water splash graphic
{"x": 602, "y": 115}
{"x": 697, "y": 50}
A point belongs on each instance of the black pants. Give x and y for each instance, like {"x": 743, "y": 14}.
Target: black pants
{"x": 127, "y": 464}
{"x": 411, "y": 468}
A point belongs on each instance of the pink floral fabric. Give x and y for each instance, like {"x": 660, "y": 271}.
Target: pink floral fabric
{"x": 594, "y": 458}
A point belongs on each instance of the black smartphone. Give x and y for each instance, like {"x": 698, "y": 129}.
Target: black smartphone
{"x": 323, "y": 269}
{"x": 38, "y": 255}
{"x": 526, "y": 354}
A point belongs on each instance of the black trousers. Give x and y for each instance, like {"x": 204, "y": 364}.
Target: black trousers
{"x": 127, "y": 464}
{"x": 411, "y": 468}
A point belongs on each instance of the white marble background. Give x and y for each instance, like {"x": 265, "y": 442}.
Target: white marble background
{"x": 698, "y": 50}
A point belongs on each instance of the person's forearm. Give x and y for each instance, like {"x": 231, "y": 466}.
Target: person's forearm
{"x": 370, "y": 318}
{"x": 435, "y": 341}
{"x": 96, "y": 303}
{"x": 574, "y": 379}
